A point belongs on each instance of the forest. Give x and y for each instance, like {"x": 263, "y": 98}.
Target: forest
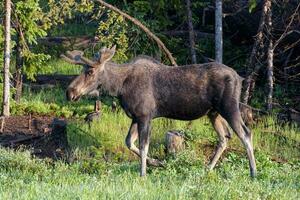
{"x": 56, "y": 145}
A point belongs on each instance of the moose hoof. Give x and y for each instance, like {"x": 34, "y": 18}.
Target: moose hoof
{"x": 155, "y": 162}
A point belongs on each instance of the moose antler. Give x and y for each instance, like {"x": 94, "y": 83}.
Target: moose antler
{"x": 76, "y": 57}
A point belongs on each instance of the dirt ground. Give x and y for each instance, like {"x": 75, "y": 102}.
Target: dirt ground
{"x": 44, "y": 136}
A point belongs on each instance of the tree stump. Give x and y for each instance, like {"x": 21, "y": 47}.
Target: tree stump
{"x": 94, "y": 115}
{"x": 174, "y": 142}
{"x": 114, "y": 106}
{"x": 247, "y": 114}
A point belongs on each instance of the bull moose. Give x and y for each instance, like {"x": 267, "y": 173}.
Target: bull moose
{"x": 148, "y": 89}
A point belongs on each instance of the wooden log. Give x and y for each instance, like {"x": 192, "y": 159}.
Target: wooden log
{"x": 174, "y": 142}
{"x": 67, "y": 42}
{"x": 13, "y": 143}
{"x": 247, "y": 114}
{"x": 52, "y": 79}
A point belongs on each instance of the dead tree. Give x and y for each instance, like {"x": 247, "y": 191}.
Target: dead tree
{"x": 264, "y": 47}
{"x": 5, "y": 106}
{"x": 252, "y": 65}
{"x": 191, "y": 31}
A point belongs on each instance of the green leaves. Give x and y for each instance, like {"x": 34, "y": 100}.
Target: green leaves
{"x": 34, "y": 63}
{"x": 252, "y": 5}
{"x": 28, "y": 14}
{"x": 113, "y": 30}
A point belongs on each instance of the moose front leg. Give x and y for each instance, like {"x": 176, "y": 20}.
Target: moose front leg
{"x": 132, "y": 136}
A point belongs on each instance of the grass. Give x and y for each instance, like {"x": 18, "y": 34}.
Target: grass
{"x": 61, "y": 67}
{"x": 23, "y": 177}
{"x": 84, "y": 174}
{"x": 99, "y": 166}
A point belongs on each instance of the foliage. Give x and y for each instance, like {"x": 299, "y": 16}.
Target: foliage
{"x": 32, "y": 19}
{"x": 252, "y": 5}
{"x": 113, "y": 30}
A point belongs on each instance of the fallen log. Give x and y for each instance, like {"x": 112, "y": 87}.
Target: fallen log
{"x": 12, "y": 143}
{"x": 53, "y": 79}
{"x": 79, "y": 41}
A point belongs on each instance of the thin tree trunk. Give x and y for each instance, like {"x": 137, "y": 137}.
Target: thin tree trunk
{"x": 252, "y": 66}
{"x": 285, "y": 70}
{"x": 270, "y": 76}
{"x": 218, "y": 32}
{"x": 19, "y": 74}
{"x": 5, "y": 106}
{"x": 144, "y": 28}
{"x": 191, "y": 32}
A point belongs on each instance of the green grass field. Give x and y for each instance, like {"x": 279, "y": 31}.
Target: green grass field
{"x": 99, "y": 166}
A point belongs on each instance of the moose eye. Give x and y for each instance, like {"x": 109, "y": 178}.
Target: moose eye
{"x": 89, "y": 72}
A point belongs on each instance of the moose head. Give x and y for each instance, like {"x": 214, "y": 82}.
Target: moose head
{"x": 88, "y": 80}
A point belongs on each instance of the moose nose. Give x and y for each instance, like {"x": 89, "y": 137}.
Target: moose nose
{"x": 71, "y": 94}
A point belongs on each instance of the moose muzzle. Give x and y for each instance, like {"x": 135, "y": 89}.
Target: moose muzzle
{"x": 72, "y": 94}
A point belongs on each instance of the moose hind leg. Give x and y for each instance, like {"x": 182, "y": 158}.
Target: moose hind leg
{"x": 131, "y": 137}
{"x": 220, "y": 127}
{"x": 144, "y": 140}
{"x": 235, "y": 121}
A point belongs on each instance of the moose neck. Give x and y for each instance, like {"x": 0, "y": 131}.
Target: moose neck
{"x": 114, "y": 76}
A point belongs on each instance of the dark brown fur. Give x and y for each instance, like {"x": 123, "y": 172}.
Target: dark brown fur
{"x": 148, "y": 89}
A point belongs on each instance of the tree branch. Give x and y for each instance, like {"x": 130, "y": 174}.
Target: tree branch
{"x": 286, "y": 31}
{"x": 139, "y": 24}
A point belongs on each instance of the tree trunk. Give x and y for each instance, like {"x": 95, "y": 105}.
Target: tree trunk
{"x": 270, "y": 76}
{"x": 252, "y": 66}
{"x": 191, "y": 31}
{"x": 218, "y": 32}
{"x": 5, "y": 106}
{"x": 285, "y": 70}
{"x": 19, "y": 73}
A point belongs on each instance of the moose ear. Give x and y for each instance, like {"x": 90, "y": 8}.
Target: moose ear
{"x": 107, "y": 54}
